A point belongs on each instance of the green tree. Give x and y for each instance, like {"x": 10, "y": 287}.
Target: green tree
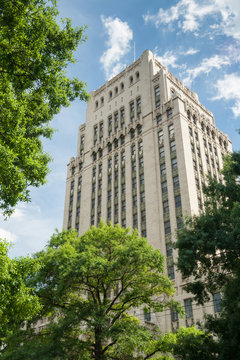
{"x": 34, "y": 51}
{"x": 18, "y": 302}
{"x": 209, "y": 250}
{"x": 90, "y": 286}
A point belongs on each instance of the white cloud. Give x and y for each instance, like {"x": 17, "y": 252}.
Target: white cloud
{"x": 228, "y": 88}
{"x": 188, "y": 15}
{"x": 207, "y": 64}
{"x": 167, "y": 59}
{"x": 120, "y": 36}
{"x": 191, "y": 51}
{"x": 9, "y": 236}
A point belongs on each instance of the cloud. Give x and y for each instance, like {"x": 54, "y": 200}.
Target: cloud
{"x": 188, "y": 16}
{"x": 228, "y": 88}
{"x": 167, "y": 59}
{"x": 120, "y": 36}
{"x": 191, "y": 51}
{"x": 207, "y": 64}
{"x": 9, "y": 236}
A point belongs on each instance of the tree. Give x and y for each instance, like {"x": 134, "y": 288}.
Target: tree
{"x": 209, "y": 250}
{"x": 35, "y": 51}
{"x": 90, "y": 286}
{"x": 18, "y": 303}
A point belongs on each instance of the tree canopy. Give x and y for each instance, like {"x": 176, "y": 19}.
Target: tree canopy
{"x": 17, "y": 300}
{"x": 35, "y": 51}
{"x": 89, "y": 286}
{"x": 209, "y": 251}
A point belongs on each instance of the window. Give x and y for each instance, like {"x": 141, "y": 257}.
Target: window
{"x": 109, "y": 147}
{"x": 109, "y": 210}
{"x": 210, "y": 146}
{"x": 73, "y": 170}
{"x": 141, "y": 179}
{"x": 133, "y": 150}
{"x": 137, "y": 75}
{"x": 174, "y": 163}
{"x": 123, "y": 155}
{"x": 179, "y": 222}
{"x": 122, "y": 139}
{"x": 167, "y": 227}
{"x": 131, "y": 105}
{"x": 116, "y": 192}
{"x": 96, "y": 104}
{"x": 159, "y": 119}
{"x": 194, "y": 119}
{"x": 116, "y": 159}
{"x": 217, "y": 302}
{"x": 172, "y": 146}
{"x": 188, "y": 308}
{"x": 135, "y": 220}
{"x": 94, "y": 172}
{"x": 100, "y": 153}
{"x": 139, "y": 129}
{"x": 190, "y": 131}
{"x": 200, "y": 169}
{"x": 198, "y": 152}
{"x": 72, "y": 184}
{"x": 171, "y": 131}
{"x": 163, "y": 169}
{"x": 116, "y": 175}
{"x": 176, "y": 182}
{"x": 124, "y": 222}
{"x": 134, "y": 200}
{"x": 169, "y": 250}
{"x": 197, "y": 183}
{"x": 116, "y": 121}
{"x": 110, "y": 94}
{"x": 100, "y": 169}
{"x": 116, "y": 90}
{"x": 116, "y": 210}
{"x": 196, "y": 136}
{"x": 178, "y": 202}
{"x": 160, "y": 136}
{"x": 109, "y": 179}
{"x": 147, "y": 316}
{"x": 123, "y": 205}
{"x": 123, "y": 188}
{"x": 165, "y": 207}
{"x": 142, "y": 197}
{"x": 122, "y": 117}
{"x": 140, "y": 146}
{"x": 205, "y": 143}
{"x": 164, "y": 187}
{"x": 169, "y": 113}
{"x": 131, "y": 79}
{"x": 122, "y": 86}
{"x": 93, "y": 187}
{"x": 144, "y": 233}
{"x": 134, "y": 183}
{"x": 71, "y": 200}
{"x": 79, "y": 181}
{"x": 193, "y": 148}
{"x": 109, "y": 125}
{"x": 99, "y": 200}
{"x": 109, "y": 163}
{"x": 171, "y": 275}
{"x": 188, "y": 115}
{"x": 132, "y": 133}
{"x": 141, "y": 162}
{"x": 215, "y": 151}
{"x": 109, "y": 195}
{"x": 93, "y": 204}
{"x": 138, "y": 101}
{"x": 157, "y": 96}
{"x": 82, "y": 140}
{"x": 134, "y": 166}
{"x": 99, "y": 184}
{"x": 92, "y": 220}
{"x": 115, "y": 143}
{"x": 161, "y": 152}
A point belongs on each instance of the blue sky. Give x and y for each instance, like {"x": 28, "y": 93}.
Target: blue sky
{"x": 199, "y": 42}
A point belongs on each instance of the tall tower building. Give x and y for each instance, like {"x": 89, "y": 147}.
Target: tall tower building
{"x": 143, "y": 154}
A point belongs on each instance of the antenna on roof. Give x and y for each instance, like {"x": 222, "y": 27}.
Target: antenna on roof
{"x": 134, "y": 52}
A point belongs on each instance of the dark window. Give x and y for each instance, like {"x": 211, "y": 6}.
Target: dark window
{"x": 169, "y": 112}
{"x": 163, "y": 169}
{"x": 141, "y": 179}
{"x": 159, "y": 118}
{"x": 171, "y": 131}
{"x": 172, "y": 146}
{"x": 147, "y": 316}
{"x": 179, "y": 222}
{"x": 169, "y": 250}
{"x": 178, "y": 202}
{"x": 217, "y": 302}
{"x": 176, "y": 182}
{"x": 164, "y": 187}
{"x": 171, "y": 274}
{"x": 174, "y": 163}
{"x": 161, "y": 152}
{"x": 165, "y": 207}
{"x": 167, "y": 227}
{"x": 157, "y": 96}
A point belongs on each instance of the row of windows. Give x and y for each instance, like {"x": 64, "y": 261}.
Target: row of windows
{"x": 206, "y": 129}
{"x": 116, "y": 90}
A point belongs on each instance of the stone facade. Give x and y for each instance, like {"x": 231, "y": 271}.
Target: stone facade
{"x": 142, "y": 157}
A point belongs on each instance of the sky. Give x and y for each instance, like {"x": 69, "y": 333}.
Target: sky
{"x": 198, "y": 41}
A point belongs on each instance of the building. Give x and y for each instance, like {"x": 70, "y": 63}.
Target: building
{"x": 142, "y": 157}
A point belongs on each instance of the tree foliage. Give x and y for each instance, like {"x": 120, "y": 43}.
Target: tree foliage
{"x": 89, "y": 286}
{"x": 18, "y": 302}
{"x": 209, "y": 250}
{"x": 35, "y": 51}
